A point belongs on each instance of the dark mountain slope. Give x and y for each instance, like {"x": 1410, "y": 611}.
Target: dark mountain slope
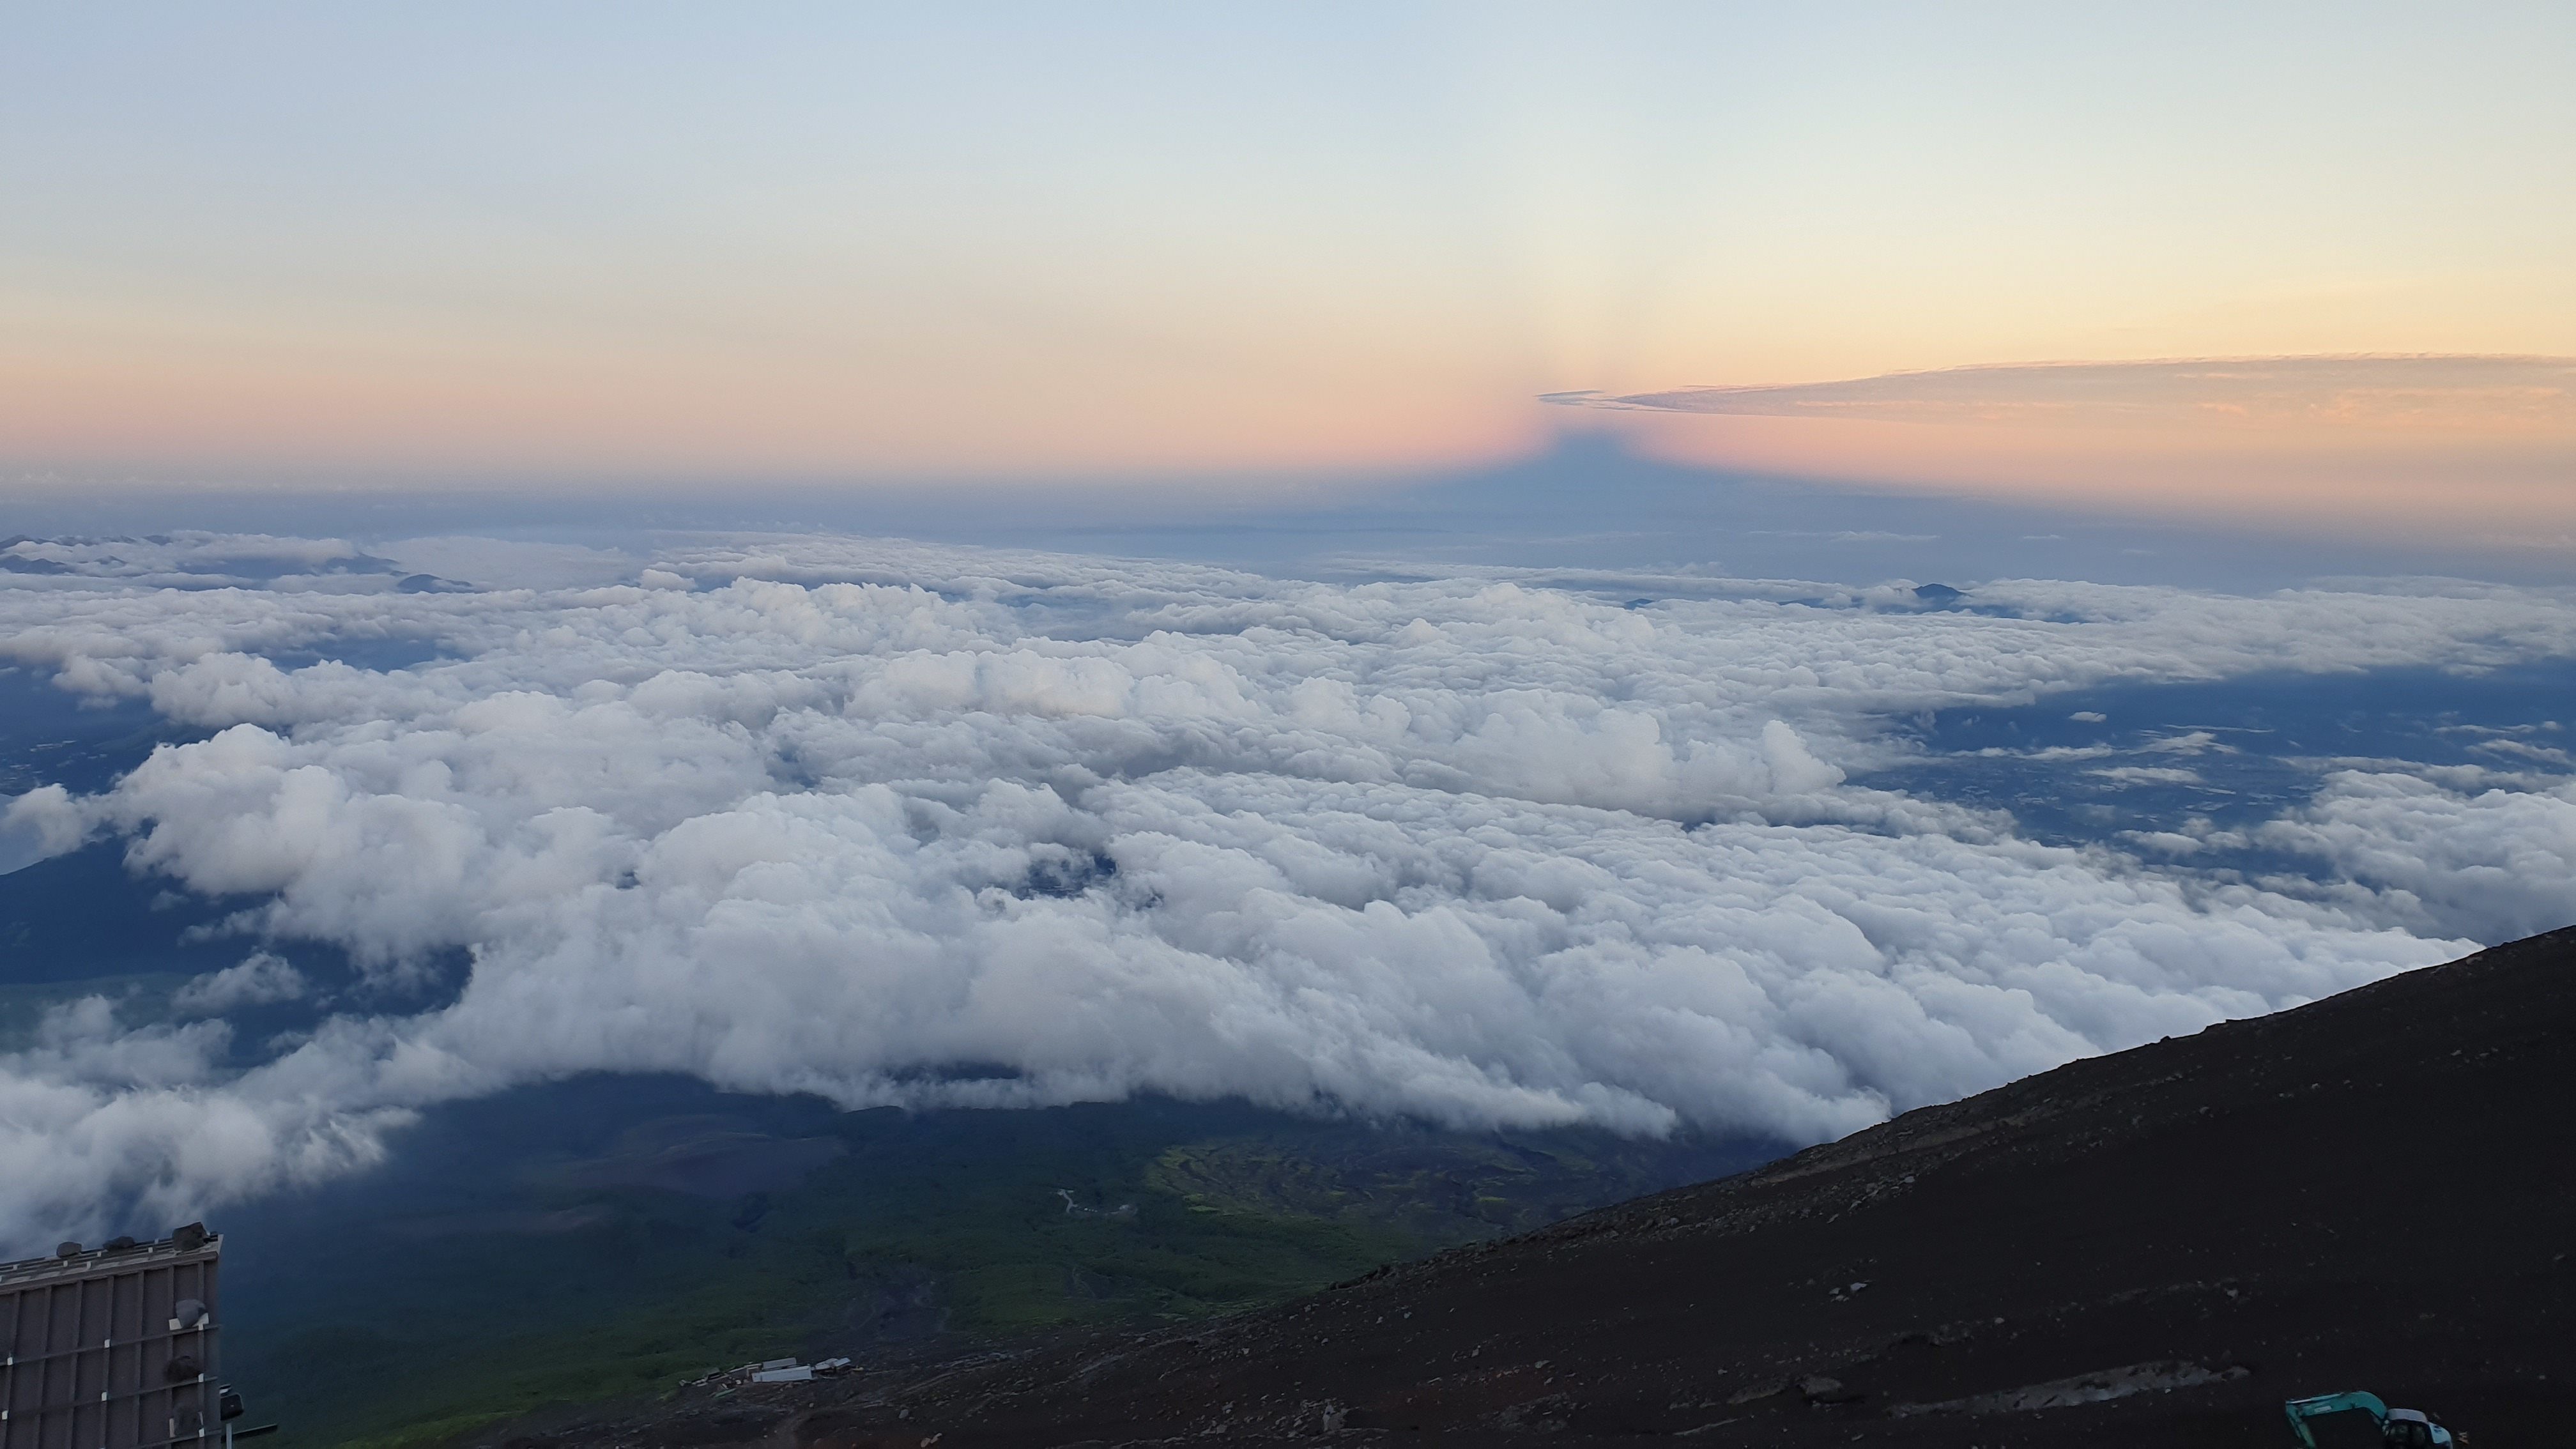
{"x": 2376, "y": 1191}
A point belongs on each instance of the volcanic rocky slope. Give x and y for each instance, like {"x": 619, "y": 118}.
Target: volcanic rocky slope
{"x": 2155, "y": 1247}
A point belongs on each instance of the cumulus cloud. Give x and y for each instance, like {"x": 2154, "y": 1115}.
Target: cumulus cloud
{"x": 508, "y": 563}
{"x": 2497, "y": 862}
{"x": 2483, "y": 393}
{"x": 97, "y": 1117}
{"x": 44, "y": 822}
{"x": 186, "y": 560}
{"x": 261, "y": 978}
{"x": 896, "y": 824}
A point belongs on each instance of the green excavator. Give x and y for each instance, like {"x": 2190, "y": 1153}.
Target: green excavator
{"x": 2354, "y": 1420}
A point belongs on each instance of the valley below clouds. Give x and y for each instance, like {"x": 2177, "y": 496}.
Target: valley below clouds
{"x": 898, "y": 824}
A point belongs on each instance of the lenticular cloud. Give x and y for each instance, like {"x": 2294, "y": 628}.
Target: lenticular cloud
{"x": 903, "y": 825}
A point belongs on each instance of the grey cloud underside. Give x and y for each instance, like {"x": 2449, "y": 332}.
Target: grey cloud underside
{"x": 2357, "y": 391}
{"x": 845, "y": 816}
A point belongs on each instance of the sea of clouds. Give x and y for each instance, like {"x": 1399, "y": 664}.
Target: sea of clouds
{"x": 895, "y": 823}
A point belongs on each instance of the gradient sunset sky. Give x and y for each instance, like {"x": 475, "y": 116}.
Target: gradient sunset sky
{"x": 647, "y": 246}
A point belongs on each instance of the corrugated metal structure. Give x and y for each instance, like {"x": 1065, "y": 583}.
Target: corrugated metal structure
{"x": 111, "y": 1348}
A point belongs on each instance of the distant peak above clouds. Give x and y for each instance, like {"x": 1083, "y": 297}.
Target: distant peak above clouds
{"x": 2464, "y": 392}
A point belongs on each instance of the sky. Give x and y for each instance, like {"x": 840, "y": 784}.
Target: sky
{"x": 1263, "y": 251}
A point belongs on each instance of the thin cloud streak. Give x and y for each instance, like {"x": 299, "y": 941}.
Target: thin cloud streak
{"x": 2467, "y": 393}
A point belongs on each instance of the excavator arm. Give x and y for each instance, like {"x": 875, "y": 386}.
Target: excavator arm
{"x": 2302, "y": 1410}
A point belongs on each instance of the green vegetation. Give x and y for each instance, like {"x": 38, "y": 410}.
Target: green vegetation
{"x": 558, "y": 1276}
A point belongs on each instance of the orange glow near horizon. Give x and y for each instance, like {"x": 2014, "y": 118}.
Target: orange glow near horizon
{"x": 2497, "y": 494}
{"x": 1255, "y": 251}
{"x": 2508, "y": 484}
{"x": 645, "y": 418}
